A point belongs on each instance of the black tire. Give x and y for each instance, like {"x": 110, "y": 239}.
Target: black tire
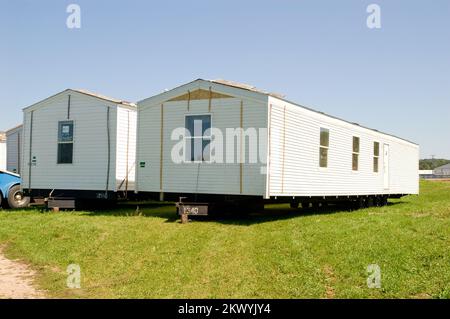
{"x": 16, "y": 199}
{"x": 305, "y": 205}
{"x": 294, "y": 205}
{"x": 361, "y": 203}
{"x": 367, "y": 202}
{"x": 376, "y": 201}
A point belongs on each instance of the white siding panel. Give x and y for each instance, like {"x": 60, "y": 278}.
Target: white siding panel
{"x": 295, "y": 171}
{"x": 126, "y": 149}
{"x": 211, "y": 178}
{"x": 276, "y": 148}
{"x": 148, "y": 149}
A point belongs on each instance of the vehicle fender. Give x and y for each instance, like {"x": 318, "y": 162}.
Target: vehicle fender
{"x": 8, "y": 180}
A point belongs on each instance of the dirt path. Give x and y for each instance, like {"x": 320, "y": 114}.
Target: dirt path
{"x": 16, "y": 280}
{"x": 330, "y": 280}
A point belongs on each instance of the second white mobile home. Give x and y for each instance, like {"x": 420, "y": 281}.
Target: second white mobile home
{"x": 79, "y": 144}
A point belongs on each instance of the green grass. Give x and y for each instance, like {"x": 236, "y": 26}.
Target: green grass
{"x": 280, "y": 253}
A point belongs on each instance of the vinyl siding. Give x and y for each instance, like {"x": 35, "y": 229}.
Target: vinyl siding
{"x": 210, "y": 178}
{"x": 90, "y": 153}
{"x": 126, "y": 148}
{"x": 294, "y": 164}
{"x": 2, "y": 155}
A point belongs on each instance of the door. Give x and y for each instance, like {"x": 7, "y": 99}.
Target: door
{"x": 386, "y": 166}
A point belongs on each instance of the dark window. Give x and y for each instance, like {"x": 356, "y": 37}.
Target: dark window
{"x": 324, "y": 145}
{"x": 197, "y": 125}
{"x": 198, "y": 138}
{"x": 324, "y": 137}
{"x": 65, "y": 153}
{"x": 65, "y": 142}
{"x": 376, "y": 156}
{"x": 323, "y": 157}
{"x": 355, "y": 155}
{"x": 65, "y": 131}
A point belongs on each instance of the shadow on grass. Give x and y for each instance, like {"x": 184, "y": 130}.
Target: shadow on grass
{"x": 167, "y": 211}
{"x": 132, "y": 209}
{"x": 283, "y": 212}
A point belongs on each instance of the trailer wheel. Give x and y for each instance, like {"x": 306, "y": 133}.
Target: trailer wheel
{"x": 376, "y": 201}
{"x": 360, "y": 203}
{"x": 16, "y": 198}
{"x": 305, "y": 205}
{"x": 294, "y": 205}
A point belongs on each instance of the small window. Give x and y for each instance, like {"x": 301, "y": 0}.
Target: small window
{"x": 355, "y": 155}
{"x": 376, "y": 156}
{"x": 65, "y": 142}
{"x": 324, "y": 146}
{"x": 198, "y": 140}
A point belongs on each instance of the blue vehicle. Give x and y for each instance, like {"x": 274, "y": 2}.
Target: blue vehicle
{"x": 10, "y": 193}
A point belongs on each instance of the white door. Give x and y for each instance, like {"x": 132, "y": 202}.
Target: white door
{"x": 386, "y": 166}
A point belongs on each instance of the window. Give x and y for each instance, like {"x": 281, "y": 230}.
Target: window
{"x": 65, "y": 142}
{"x": 355, "y": 154}
{"x": 376, "y": 156}
{"x": 324, "y": 145}
{"x": 198, "y": 138}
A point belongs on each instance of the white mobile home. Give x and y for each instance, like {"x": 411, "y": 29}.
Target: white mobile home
{"x": 301, "y": 155}
{"x": 79, "y": 144}
{"x": 14, "y": 149}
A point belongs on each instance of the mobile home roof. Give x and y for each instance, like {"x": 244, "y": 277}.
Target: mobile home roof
{"x": 250, "y": 88}
{"x": 11, "y": 130}
{"x": 85, "y": 92}
{"x": 443, "y": 167}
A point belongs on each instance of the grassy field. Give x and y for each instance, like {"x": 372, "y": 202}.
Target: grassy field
{"x": 280, "y": 253}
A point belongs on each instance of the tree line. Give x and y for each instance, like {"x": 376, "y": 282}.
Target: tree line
{"x": 430, "y": 164}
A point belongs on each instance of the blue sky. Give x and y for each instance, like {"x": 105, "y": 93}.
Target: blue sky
{"x": 318, "y": 53}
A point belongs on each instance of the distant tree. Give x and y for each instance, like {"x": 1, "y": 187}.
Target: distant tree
{"x": 430, "y": 164}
